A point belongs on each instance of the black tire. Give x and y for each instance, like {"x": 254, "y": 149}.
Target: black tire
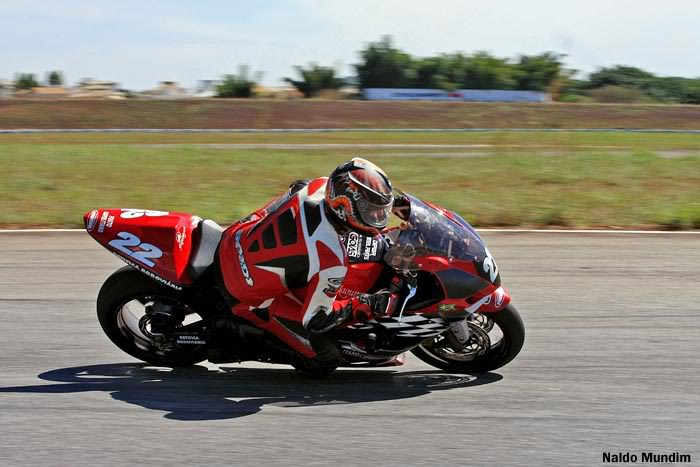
{"x": 125, "y": 286}
{"x": 511, "y": 326}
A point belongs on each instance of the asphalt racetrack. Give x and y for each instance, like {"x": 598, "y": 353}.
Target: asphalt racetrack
{"x": 610, "y": 364}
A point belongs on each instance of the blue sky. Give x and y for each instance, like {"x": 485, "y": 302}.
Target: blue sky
{"x": 139, "y": 43}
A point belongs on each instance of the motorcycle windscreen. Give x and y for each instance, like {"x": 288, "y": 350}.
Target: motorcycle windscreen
{"x": 428, "y": 231}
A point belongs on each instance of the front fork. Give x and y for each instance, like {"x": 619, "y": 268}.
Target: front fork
{"x": 460, "y": 332}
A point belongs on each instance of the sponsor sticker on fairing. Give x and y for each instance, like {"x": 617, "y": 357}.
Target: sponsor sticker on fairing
{"x": 500, "y": 295}
{"x": 92, "y": 220}
{"x": 450, "y": 310}
{"x": 147, "y": 272}
{"x": 103, "y": 222}
{"x": 180, "y": 237}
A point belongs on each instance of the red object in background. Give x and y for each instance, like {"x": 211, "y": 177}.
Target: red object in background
{"x": 153, "y": 241}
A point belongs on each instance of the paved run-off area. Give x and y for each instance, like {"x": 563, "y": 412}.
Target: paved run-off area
{"x": 610, "y": 364}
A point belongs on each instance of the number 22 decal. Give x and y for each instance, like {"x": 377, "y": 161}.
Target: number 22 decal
{"x": 127, "y": 240}
{"x": 490, "y": 267}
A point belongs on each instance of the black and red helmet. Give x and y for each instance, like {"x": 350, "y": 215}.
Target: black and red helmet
{"x": 359, "y": 194}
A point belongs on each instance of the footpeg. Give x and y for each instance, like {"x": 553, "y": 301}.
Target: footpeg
{"x": 371, "y": 344}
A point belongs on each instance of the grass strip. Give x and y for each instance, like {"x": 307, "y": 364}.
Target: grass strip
{"x": 53, "y": 185}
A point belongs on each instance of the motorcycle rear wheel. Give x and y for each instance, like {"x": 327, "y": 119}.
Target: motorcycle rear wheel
{"x": 120, "y": 309}
{"x": 490, "y": 356}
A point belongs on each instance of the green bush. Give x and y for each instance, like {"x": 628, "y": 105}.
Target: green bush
{"x": 238, "y": 85}
{"x": 26, "y": 81}
{"x": 619, "y": 95}
{"x": 574, "y": 98}
{"x": 315, "y": 79}
{"x": 55, "y": 78}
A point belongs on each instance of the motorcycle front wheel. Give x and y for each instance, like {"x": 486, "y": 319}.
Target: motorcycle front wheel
{"x": 495, "y": 339}
{"x": 122, "y": 309}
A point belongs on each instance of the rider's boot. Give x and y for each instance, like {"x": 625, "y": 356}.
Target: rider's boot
{"x": 327, "y": 351}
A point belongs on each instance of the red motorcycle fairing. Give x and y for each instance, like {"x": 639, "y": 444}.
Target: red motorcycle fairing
{"x": 495, "y": 301}
{"x": 485, "y": 302}
{"x": 157, "y": 243}
{"x": 462, "y": 286}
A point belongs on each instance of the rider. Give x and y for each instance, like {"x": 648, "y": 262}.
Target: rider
{"x": 289, "y": 256}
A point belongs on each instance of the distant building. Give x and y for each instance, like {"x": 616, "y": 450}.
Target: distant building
{"x": 50, "y": 92}
{"x": 166, "y": 90}
{"x": 206, "y": 88}
{"x": 89, "y": 88}
{"x": 286, "y": 91}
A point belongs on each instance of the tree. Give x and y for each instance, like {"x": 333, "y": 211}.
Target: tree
{"x": 314, "y": 79}
{"x": 484, "y": 71}
{"x": 26, "y": 81}
{"x": 538, "y": 72}
{"x": 620, "y": 75}
{"x": 429, "y": 73}
{"x": 384, "y": 66}
{"x": 54, "y": 78}
{"x": 691, "y": 93}
{"x": 659, "y": 89}
{"x": 619, "y": 95}
{"x": 238, "y": 85}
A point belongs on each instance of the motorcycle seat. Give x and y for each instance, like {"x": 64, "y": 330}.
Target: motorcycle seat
{"x": 209, "y": 238}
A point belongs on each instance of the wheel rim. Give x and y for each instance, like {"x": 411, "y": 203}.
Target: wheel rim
{"x": 134, "y": 325}
{"x": 483, "y": 321}
{"x": 486, "y": 338}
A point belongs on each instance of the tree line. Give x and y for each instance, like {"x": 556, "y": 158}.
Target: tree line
{"x": 29, "y": 81}
{"x": 383, "y": 65}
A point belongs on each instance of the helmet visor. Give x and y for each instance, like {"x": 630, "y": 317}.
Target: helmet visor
{"x": 376, "y": 215}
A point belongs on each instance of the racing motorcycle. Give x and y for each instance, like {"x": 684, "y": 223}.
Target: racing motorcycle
{"x": 168, "y": 306}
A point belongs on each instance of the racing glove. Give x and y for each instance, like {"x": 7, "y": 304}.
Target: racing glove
{"x": 377, "y": 305}
{"x": 357, "y": 309}
{"x": 402, "y": 207}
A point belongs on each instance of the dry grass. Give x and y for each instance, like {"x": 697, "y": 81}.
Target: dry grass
{"x": 253, "y": 113}
{"x": 53, "y": 185}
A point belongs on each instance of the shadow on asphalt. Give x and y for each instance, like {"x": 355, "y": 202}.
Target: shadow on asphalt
{"x": 199, "y": 393}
